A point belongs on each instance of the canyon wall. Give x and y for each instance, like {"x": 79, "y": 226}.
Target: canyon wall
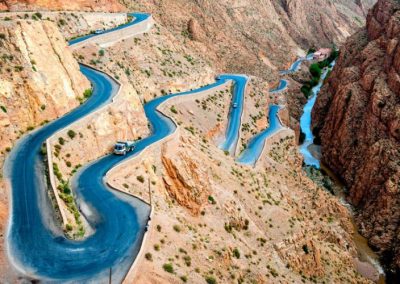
{"x": 357, "y": 117}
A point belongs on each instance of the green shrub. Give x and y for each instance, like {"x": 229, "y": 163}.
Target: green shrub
{"x": 311, "y": 50}
{"x": 149, "y": 256}
{"x": 87, "y": 93}
{"x": 236, "y": 253}
{"x": 188, "y": 260}
{"x": 184, "y": 278}
{"x": 211, "y": 280}
{"x": 177, "y": 228}
{"x": 3, "y": 108}
{"x": 140, "y": 178}
{"x": 71, "y": 134}
{"x": 305, "y": 249}
{"x": 101, "y": 52}
{"x": 305, "y": 89}
{"x": 212, "y": 200}
{"x": 315, "y": 70}
{"x": 68, "y": 227}
{"x": 173, "y": 110}
{"x": 2, "y": 36}
{"x": 168, "y": 267}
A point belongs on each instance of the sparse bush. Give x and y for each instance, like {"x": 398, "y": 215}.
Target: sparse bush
{"x": 211, "y": 280}
{"x": 236, "y": 253}
{"x": 140, "y": 178}
{"x": 188, "y": 260}
{"x": 168, "y": 267}
{"x": 212, "y": 200}
{"x": 71, "y": 134}
{"x": 177, "y": 228}
{"x": 3, "y": 108}
{"x": 315, "y": 70}
{"x": 149, "y": 256}
{"x": 305, "y": 249}
{"x": 173, "y": 110}
{"x": 87, "y": 93}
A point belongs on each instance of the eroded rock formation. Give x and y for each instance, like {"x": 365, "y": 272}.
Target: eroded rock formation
{"x": 185, "y": 179}
{"x": 357, "y": 117}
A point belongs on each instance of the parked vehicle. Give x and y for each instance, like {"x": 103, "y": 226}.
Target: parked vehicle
{"x": 123, "y": 147}
{"x": 97, "y": 32}
{"x": 234, "y": 105}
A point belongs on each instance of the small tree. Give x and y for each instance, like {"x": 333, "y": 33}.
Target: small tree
{"x": 315, "y": 70}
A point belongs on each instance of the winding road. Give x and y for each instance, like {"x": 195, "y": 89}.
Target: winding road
{"x": 37, "y": 245}
{"x": 256, "y": 144}
{"x": 235, "y": 112}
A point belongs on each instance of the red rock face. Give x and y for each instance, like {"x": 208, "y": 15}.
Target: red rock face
{"x": 357, "y": 117}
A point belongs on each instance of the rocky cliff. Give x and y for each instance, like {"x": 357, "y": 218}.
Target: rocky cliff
{"x": 357, "y": 117}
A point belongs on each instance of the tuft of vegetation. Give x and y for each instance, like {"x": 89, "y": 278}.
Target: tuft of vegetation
{"x": 71, "y": 134}
{"x": 149, "y": 256}
{"x": 305, "y": 249}
{"x": 168, "y": 267}
{"x": 3, "y": 108}
{"x": 210, "y": 280}
{"x": 236, "y": 253}
{"x": 177, "y": 228}
{"x": 87, "y": 93}
{"x": 173, "y": 110}
{"x": 140, "y": 178}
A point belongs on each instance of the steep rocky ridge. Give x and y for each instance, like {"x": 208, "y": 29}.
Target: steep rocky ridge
{"x": 357, "y": 117}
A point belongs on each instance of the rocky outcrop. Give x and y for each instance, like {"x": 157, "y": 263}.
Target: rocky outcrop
{"x": 185, "y": 179}
{"x": 78, "y": 5}
{"x": 357, "y": 117}
{"x": 39, "y": 78}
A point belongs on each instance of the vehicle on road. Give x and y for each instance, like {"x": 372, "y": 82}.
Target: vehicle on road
{"x": 97, "y": 32}
{"x": 123, "y": 147}
{"x": 234, "y": 105}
